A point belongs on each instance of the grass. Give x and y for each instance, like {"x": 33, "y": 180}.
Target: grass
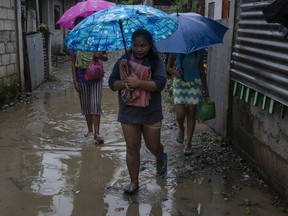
{"x": 8, "y": 92}
{"x": 53, "y": 78}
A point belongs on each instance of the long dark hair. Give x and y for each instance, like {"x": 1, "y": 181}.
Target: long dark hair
{"x": 78, "y": 20}
{"x": 153, "y": 54}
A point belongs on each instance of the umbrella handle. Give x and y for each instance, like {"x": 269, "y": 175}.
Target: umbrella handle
{"x": 124, "y": 42}
{"x": 121, "y": 28}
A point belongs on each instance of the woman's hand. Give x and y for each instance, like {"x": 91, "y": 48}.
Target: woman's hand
{"x": 179, "y": 73}
{"x": 132, "y": 81}
{"x": 76, "y": 86}
{"x": 101, "y": 55}
{"x": 205, "y": 92}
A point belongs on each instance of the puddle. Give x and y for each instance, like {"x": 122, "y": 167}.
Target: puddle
{"x": 47, "y": 167}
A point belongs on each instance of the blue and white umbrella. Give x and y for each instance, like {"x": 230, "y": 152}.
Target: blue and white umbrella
{"x": 112, "y": 28}
{"x": 194, "y": 32}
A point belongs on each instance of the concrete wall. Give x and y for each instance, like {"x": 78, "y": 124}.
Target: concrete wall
{"x": 217, "y": 9}
{"x": 218, "y": 76}
{"x": 8, "y": 42}
{"x": 262, "y": 138}
{"x": 218, "y": 62}
{"x": 57, "y": 34}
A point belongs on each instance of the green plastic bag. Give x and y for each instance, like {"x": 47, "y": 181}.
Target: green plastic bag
{"x": 83, "y": 59}
{"x": 206, "y": 109}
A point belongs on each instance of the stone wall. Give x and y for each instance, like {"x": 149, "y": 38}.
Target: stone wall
{"x": 8, "y": 42}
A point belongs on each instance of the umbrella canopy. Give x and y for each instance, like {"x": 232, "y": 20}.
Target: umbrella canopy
{"x": 82, "y": 9}
{"x": 194, "y": 32}
{"x": 112, "y": 28}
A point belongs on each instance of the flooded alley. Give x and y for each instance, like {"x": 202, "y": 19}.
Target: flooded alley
{"x": 48, "y": 167}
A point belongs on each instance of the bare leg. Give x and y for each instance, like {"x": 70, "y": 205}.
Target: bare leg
{"x": 132, "y": 135}
{"x": 153, "y": 143}
{"x": 96, "y": 123}
{"x": 191, "y": 112}
{"x": 89, "y": 119}
{"x": 180, "y": 111}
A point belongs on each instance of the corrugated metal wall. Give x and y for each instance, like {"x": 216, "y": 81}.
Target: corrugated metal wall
{"x": 260, "y": 54}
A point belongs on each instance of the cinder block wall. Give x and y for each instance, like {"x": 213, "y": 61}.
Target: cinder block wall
{"x": 8, "y": 42}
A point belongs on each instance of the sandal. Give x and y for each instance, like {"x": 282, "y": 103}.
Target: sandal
{"x": 180, "y": 136}
{"x": 131, "y": 188}
{"x": 187, "y": 151}
{"x": 99, "y": 140}
{"x": 162, "y": 171}
{"x": 89, "y": 134}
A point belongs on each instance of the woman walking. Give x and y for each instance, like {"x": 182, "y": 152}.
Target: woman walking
{"x": 144, "y": 120}
{"x": 189, "y": 85}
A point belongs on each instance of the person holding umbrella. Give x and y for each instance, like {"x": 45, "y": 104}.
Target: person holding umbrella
{"x": 185, "y": 63}
{"x": 141, "y": 120}
{"x": 140, "y": 102}
{"x": 90, "y": 91}
{"x": 189, "y": 85}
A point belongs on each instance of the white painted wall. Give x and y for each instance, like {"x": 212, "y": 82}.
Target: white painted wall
{"x": 217, "y": 8}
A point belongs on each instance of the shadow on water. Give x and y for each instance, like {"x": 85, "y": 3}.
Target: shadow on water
{"x": 47, "y": 167}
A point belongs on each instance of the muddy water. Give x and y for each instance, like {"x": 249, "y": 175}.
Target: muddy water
{"x": 47, "y": 167}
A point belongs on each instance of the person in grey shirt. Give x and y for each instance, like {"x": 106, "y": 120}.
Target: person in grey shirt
{"x": 137, "y": 121}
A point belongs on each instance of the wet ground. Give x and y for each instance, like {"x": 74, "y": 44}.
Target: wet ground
{"x": 47, "y": 167}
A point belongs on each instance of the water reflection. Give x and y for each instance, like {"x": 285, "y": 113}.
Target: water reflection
{"x": 154, "y": 196}
{"x": 47, "y": 167}
{"x": 96, "y": 171}
{"x": 59, "y": 163}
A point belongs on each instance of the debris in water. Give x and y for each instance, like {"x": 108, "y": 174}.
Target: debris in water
{"x": 119, "y": 209}
{"x": 199, "y": 208}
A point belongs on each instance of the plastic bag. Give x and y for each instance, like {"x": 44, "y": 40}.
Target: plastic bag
{"x": 206, "y": 109}
{"x": 95, "y": 70}
{"x": 83, "y": 59}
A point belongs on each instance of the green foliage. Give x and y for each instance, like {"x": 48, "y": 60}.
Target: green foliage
{"x": 127, "y": 2}
{"x": 249, "y": 211}
{"x": 284, "y": 209}
{"x": 212, "y": 139}
{"x": 43, "y": 28}
{"x": 31, "y": 4}
{"x": 8, "y": 92}
{"x": 194, "y": 6}
{"x": 53, "y": 78}
{"x": 181, "y": 5}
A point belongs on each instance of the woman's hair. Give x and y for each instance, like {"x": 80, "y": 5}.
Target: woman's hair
{"x": 78, "y": 19}
{"x": 153, "y": 55}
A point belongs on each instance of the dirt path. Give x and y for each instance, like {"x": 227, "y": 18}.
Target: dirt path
{"x": 213, "y": 162}
{"x": 212, "y": 157}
